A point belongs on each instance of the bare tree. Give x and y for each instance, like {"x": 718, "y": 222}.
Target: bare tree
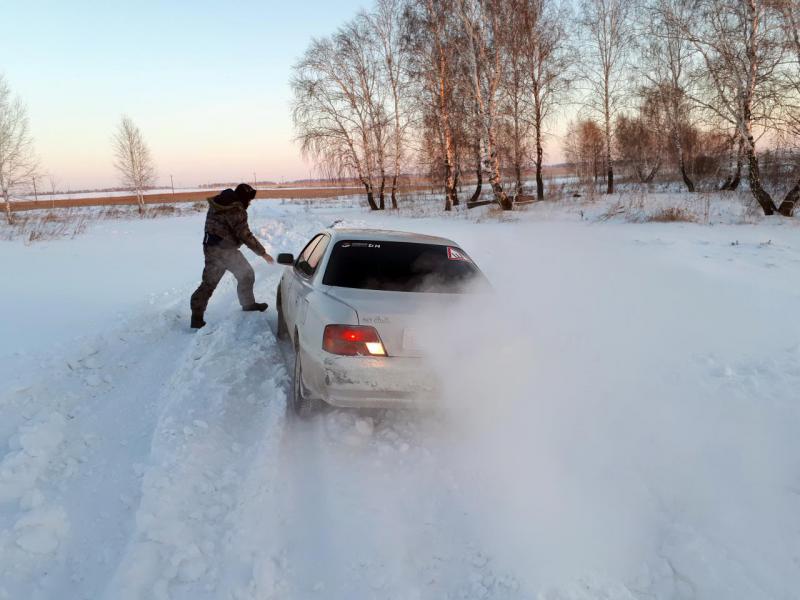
{"x": 741, "y": 48}
{"x": 609, "y": 36}
{"x": 17, "y": 160}
{"x": 790, "y": 17}
{"x": 332, "y": 123}
{"x": 432, "y": 50}
{"x": 584, "y": 145}
{"x": 540, "y": 30}
{"x": 638, "y": 140}
{"x": 666, "y": 60}
{"x": 356, "y": 50}
{"x": 483, "y": 22}
{"x": 514, "y": 86}
{"x": 387, "y": 21}
{"x": 133, "y": 160}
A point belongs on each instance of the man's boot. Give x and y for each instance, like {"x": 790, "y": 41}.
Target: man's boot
{"x": 197, "y": 321}
{"x": 255, "y": 306}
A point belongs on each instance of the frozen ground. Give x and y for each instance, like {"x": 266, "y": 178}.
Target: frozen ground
{"x": 619, "y": 422}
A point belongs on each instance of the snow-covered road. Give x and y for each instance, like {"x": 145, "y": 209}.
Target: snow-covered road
{"x": 620, "y": 423}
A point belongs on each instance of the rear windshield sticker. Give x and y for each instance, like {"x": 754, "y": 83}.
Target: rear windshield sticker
{"x": 456, "y": 254}
{"x": 359, "y": 245}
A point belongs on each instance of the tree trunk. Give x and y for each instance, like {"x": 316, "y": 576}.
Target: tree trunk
{"x": 517, "y": 144}
{"x": 381, "y": 201}
{"x": 394, "y": 192}
{"x": 607, "y": 118}
{"x": 494, "y": 173}
{"x": 448, "y": 190}
{"x": 754, "y": 177}
{"x": 539, "y": 160}
{"x": 790, "y": 201}
{"x": 476, "y": 195}
{"x": 370, "y": 196}
{"x": 449, "y": 150}
{"x": 732, "y": 182}
{"x": 140, "y": 201}
{"x": 653, "y": 172}
{"x": 7, "y": 202}
{"x": 686, "y": 179}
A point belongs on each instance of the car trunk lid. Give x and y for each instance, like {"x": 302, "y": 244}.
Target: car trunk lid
{"x": 399, "y": 317}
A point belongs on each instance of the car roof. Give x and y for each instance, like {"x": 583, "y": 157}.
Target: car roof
{"x": 386, "y": 235}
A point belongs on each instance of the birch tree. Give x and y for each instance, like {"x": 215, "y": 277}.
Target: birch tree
{"x": 540, "y": 27}
{"x": 386, "y": 21}
{"x": 355, "y": 47}
{"x": 608, "y": 34}
{"x": 741, "y": 49}
{"x": 133, "y": 160}
{"x": 17, "y": 159}
{"x": 514, "y": 86}
{"x": 666, "y": 64}
{"x": 332, "y": 124}
{"x": 433, "y": 53}
{"x": 483, "y": 22}
{"x": 790, "y": 17}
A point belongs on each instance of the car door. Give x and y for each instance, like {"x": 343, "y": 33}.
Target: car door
{"x": 306, "y": 269}
{"x": 293, "y": 285}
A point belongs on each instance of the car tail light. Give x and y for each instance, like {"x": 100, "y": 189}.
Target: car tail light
{"x": 352, "y": 340}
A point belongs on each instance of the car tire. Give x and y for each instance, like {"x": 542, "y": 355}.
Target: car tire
{"x": 302, "y": 406}
{"x": 283, "y": 331}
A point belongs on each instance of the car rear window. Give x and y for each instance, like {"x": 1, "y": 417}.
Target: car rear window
{"x": 401, "y": 267}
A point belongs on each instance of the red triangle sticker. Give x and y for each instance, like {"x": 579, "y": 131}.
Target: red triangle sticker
{"x": 456, "y": 254}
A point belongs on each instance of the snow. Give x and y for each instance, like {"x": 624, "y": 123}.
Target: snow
{"x": 617, "y": 422}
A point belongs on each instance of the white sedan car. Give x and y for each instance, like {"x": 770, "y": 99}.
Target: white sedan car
{"x": 350, "y": 305}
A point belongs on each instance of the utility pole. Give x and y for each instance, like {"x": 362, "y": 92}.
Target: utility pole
{"x": 172, "y": 184}
{"x": 35, "y": 193}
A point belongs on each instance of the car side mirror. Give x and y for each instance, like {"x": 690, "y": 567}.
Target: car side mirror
{"x": 284, "y": 258}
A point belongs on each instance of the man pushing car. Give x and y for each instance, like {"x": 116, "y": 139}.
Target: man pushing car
{"x": 225, "y": 231}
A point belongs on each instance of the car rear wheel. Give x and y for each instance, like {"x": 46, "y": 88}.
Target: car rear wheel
{"x": 302, "y": 406}
{"x": 283, "y": 331}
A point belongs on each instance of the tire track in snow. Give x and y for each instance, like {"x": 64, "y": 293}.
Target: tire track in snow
{"x": 87, "y": 423}
{"x": 212, "y": 457}
{"x": 217, "y": 406}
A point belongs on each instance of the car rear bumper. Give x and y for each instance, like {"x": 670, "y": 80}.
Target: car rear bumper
{"x": 360, "y": 381}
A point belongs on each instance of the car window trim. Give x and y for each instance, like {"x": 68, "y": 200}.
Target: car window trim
{"x": 325, "y": 237}
{"x": 321, "y": 236}
{"x": 318, "y": 237}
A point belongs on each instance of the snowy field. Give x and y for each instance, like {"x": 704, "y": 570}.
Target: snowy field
{"x": 620, "y": 421}
{"x": 45, "y": 196}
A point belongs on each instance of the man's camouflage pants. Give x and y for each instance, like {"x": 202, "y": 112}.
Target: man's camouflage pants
{"x": 219, "y": 260}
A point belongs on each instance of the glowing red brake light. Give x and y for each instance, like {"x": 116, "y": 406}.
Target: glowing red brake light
{"x": 352, "y": 340}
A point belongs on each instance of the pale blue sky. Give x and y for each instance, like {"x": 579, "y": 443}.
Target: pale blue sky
{"x": 207, "y": 82}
